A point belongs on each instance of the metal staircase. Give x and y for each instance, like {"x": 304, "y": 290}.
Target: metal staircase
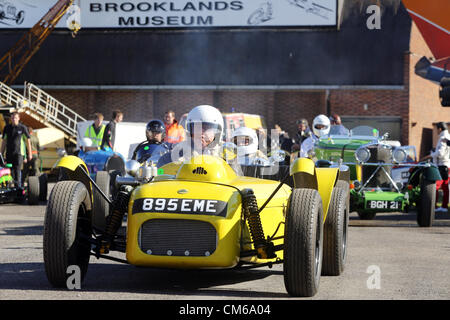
{"x": 40, "y": 107}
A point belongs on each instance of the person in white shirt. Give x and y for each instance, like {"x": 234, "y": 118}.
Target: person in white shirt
{"x": 321, "y": 127}
{"x": 441, "y": 157}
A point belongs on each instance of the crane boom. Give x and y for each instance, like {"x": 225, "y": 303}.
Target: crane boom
{"x": 13, "y": 62}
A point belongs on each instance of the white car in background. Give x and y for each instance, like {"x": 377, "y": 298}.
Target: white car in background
{"x": 9, "y": 12}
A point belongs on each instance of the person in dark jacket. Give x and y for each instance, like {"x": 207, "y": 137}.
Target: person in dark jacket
{"x": 109, "y": 135}
{"x": 16, "y": 150}
{"x": 155, "y": 132}
{"x": 303, "y": 133}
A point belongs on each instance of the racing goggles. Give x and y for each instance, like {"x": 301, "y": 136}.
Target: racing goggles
{"x": 320, "y": 126}
{"x": 242, "y": 141}
{"x": 153, "y": 133}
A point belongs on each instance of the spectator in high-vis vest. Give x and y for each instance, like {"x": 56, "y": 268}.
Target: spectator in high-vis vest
{"x": 96, "y": 131}
{"x": 174, "y": 131}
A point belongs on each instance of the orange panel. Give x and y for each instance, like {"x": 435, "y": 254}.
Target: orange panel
{"x": 436, "y": 11}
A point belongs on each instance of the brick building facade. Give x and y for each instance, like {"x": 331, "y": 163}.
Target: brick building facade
{"x": 368, "y": 82}
{"x": 416, "y": 103}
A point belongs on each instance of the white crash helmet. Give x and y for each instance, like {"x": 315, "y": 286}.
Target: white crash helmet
{"x": 208, "y": 116}
{"x": 252, "y": 146}
{"x": 86, "y": 142}
{"x": 322, "y": 120}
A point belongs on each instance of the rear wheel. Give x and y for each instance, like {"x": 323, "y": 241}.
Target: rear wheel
{"x": 426, "y": 203}
{"x": 33, "y": 189}
{"x": 20, "y": 17}
{"x": 67, "y": 230}
{"x": 43, "y": 187}
{"x": 303, "y": 243}
{"x": 335, "y": 233}
{"x": 100, "y": 205}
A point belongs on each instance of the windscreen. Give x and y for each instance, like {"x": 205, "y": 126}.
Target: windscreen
{"x": 365, "y": 131}
{"x": 339, "y": 130}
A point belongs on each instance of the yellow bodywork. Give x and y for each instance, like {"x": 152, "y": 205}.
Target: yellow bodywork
{"x": 321, "y": 179}
{"x": 74, "y": 169}
{"x": 71, "y": 163}
{"x": 217, "y": 181}
{"x": 207, "y": 178}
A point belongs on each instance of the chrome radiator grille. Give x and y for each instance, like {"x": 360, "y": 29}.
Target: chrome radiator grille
{"x": 377, "y": 154}
{"x": 177, "y": 237}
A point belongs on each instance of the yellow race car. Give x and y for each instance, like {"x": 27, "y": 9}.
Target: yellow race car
{"x": 201, "y": 214}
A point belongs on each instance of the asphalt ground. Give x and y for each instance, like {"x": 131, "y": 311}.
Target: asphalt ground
{"x": 388, "y": 258}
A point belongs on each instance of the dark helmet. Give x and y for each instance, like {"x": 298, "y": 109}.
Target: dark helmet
{"x": 156, "y": 126}
{"x": 442, "y": 126}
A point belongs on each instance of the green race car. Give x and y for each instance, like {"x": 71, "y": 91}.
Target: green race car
{"x": 385, "y": 176}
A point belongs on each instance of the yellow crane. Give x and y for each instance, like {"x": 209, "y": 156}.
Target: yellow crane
{"x": 13, "y": 62}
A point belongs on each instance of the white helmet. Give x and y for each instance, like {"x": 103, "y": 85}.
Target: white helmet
{"x": 208, "y": 116}
{"x": 323, "y": 125}
{"x": 251, "y": 147}
{"x": 86, "y": 142}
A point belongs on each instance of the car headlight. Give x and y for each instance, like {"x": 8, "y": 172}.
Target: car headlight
{"x": 61, "y": 152}
{"x": 362, "y": 154}
{"x": 132, "y": 167}
{"x": 357, "y": 184}
{"x": 399, "y": 155}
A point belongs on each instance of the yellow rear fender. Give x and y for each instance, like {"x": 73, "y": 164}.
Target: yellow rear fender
{"x": 75, "y": 169}
{"x": 326, "y": 180}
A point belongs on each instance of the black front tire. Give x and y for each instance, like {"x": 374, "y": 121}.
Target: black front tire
{"x": 303, "y": 243}
{"x": 426, "y": 203}
{"x": 67, "y": 230}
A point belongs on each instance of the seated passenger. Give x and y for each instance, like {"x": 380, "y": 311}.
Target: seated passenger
{"x": 155, "y": 132}
{"x": 321, "y": 127}
{"x": 204, "y": 128}
{"x": 337, "y": 128}
{"x": 246, "y": 141}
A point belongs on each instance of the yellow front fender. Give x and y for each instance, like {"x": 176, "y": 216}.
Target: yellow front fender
{"x": 71, "y": 163}
{"x": 76, "y": 169}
